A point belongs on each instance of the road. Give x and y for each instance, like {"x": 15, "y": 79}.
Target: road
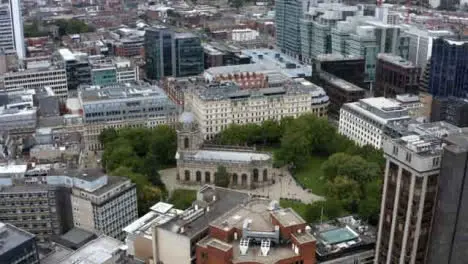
{"x": 285, "y": 187}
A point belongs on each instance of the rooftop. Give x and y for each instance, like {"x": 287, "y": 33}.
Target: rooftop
{"x": 76, "y": 237}
{"x": 423, "y": 145}
{"x": 396, "y": 60}
{"x": 218, "y": 200}
{"x": 219, "y": 155}
{"x": 458, "y": 142}
{"x": 120, "y": 91}
{"x": 66, "y": 54}
{"x": 160, "y": 213}
{"x": 338, "y": 82}
{"x": 287, "y": 64}
{"x": 382, "y": 103}
{"x": 254, "y": 219}
{"x": 98, "y": 251}
{"x": 343, "y": 236}
{"x": 13, "y": 169}
{"x": 380, "y": 109}
{"x": 230, "y": 90}
{"x": 288, "y": 217}
{"x": 256, "y": 211}
{"x": 11, "y": 237}
{"x": 58, "y": 253}
{"x": 337, "y": 57}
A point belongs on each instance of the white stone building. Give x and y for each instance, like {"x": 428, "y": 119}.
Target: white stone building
{"x": 216, "y": 106}
{"x": 365, "y": 121}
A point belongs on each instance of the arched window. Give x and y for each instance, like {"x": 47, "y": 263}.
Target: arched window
{"x": 255, "y": 175}
{"x": 186, "y": 143}
{"x": 198, "y": 175}
{"x": 187, "y": 175}
{"x": 265, "y": 175}
{"x": 207, "y": 176}
{"x": 234, "y": 179}
{"x": 244, "y": 179}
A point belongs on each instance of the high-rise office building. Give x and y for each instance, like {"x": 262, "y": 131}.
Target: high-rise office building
{"x": 451, "y": 109}
{"x": 17, "y": 246}
{"x": 448, "y": 243}
{"x": 188, "y": 55}
{"x": 420, "y": 44}
{"x": 11, "y": 28}
{"x": 409, "y": 193}
{"x": 77, "y": 67}
{"x": 448, "y": 73}
{"x": 170, "y": 53}
{"x": 395, "y": 75}
{"x": 288, "y": 26}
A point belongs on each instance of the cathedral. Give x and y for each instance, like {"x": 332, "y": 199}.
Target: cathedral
{"x": 198, "y": 164}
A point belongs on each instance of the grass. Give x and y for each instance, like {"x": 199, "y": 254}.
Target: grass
{"x": 311, "y": 176}
{"x": 297, "y": 206}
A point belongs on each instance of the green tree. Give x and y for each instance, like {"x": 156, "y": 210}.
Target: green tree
{"x": 147, "y": 194}
{"x": 369, "y": 207}
{"x": 221, "y": 177}
{"x": 324, "y": 210}
{"x": 108, "y": 135}
{"x": 183, "y": 198}
{"x": 344, "y": 190}
{"x": 355, "y": 167}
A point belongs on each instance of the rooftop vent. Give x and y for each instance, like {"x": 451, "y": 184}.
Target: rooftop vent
{"x": 244, "y": 246}
{"x": 265, "y": 247}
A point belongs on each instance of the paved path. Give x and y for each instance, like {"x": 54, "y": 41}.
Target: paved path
{"x": 285, "y": 187}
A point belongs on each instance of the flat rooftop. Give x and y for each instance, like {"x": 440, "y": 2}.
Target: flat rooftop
{"x": 159, "y": 214}
{"x": 382, "y": 103}
{"x": 253, "y": 254}
{"x": 337, "y": 57}
{"x": 13, "y": 169}
{"x": 287, "y": 64}
{"x": 458, "y": 143}
{"x": 11, "y": 237}
{"x": 340, "y": 83}
{"x": 256, "y": 211}
{"x": 193, "y": 224}
{"x": 380, "y": 109}
{"x": 120, "y": 91}
{"x": 288, "y": 217}
{"x": 230, "y": 90}
{"x": 343, "y": 236}
{"x": 98, "y": 251}
{"x": 396, "y": 60}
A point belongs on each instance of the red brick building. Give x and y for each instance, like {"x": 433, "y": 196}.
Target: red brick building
{"x": 258, "y": 232}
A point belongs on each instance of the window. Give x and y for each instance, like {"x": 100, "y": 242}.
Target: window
{"x": 395, "y": 150}
{"x": 186, "y": 143}
{"x": 408, "y": 156}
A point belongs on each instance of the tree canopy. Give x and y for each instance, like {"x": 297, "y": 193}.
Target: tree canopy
{"x": 352, "y": 173}
{"x": 221, "y": 177}
{"x": 139, "y": 153}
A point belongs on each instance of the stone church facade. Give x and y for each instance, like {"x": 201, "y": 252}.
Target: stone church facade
{"x": 198, "y": 164}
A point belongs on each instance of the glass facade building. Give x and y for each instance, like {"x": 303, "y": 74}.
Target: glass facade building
{"x": 172, "y": 54}
{"x": 288, "y": 26}
{"x": 188, "y": 55}
{"x": 449, "y": 68}
{"x": 103, "y": 76}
